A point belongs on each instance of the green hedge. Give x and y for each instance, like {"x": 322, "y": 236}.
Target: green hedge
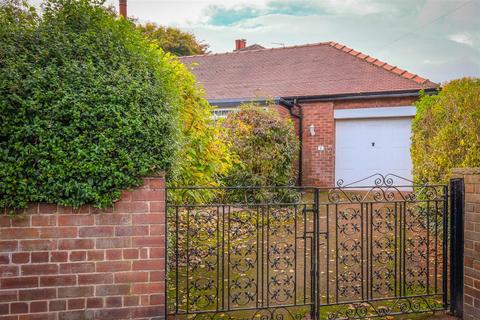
{"x": 87, "y": 106}
{"x": 446, "y": 131}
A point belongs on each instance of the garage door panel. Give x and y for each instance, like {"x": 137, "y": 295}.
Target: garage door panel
{"x": 369, "y": 146}
{"x": 349, "y": 156}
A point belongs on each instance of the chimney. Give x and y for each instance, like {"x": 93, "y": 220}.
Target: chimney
{"x": 123, "y": 8}
{"x": 240, "y": 44}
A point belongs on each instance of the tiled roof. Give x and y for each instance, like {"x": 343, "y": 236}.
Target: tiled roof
{"x": 326, "y": 68}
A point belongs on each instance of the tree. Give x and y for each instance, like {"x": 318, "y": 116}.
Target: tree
{"x": 204, "y": 156}
{"x": 446, "y": 131}
{"x": 173, "y": 40}
{"x": 88, "y": 106}
{"x": 265, "y": 144}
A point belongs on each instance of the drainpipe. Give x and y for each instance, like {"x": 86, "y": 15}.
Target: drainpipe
{"x": 300, "y": 132}
{"x": 290, "y": 105}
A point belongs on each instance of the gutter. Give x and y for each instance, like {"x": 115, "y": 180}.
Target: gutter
{"x": 238, "y": 101}
{"x": 362, "y": 95}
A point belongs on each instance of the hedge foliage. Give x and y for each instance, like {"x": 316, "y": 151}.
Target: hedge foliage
{"x": 446, "y": 131}
{"x": 265, "y": 144}
{"x": 87, "y": 105}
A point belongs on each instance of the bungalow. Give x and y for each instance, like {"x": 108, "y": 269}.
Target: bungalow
{"x": 353, "y": 112}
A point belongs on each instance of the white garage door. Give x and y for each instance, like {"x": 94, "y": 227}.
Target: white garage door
{"x": 369, "y": 146}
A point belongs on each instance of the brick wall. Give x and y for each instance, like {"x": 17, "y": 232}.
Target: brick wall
{"x": 375, "y": 103}
{"x": 471, "y": 289}
{"x": 318, "y": 165}
{"x": 65, "y": 264}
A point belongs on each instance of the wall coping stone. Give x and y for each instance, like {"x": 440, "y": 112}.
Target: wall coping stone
{"x": 465, "y": 171}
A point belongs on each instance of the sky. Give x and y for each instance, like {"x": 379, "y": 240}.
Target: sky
{"x": 437, "y": 39}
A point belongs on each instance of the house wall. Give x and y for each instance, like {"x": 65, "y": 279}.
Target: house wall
{"x": 318, "y": 165}
{"x": 67, "y": 264}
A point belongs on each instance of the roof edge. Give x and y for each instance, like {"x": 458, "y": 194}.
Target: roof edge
{"x": 334, "y": 97}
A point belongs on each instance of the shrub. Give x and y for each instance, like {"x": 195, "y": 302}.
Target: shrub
{"x": 446, "y": 131}
{"x": 204, "y": 157}
{"x": 265, "y": 144}
{"x": 88, "y": 106}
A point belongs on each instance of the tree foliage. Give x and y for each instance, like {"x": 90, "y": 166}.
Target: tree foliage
{"x": 88, "y": 106}
{"x": 173, "y": 40}
{"x": 204, "y": 156}
{"x": 265, "y": 144}
{"x": 446, "y": 131}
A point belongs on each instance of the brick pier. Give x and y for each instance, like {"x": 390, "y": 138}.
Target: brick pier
{"x": 471, "y": 249}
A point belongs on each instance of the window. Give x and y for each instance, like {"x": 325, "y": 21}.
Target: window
{"x": 222, "y": 112}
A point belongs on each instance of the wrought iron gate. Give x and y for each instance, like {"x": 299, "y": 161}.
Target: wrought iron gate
{"x": 346, "y": 252}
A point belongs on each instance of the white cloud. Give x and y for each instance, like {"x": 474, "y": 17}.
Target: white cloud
{"x": 356, "y": 7}
{"x": 462, "y": 38}
{"x": 177, "y": 12}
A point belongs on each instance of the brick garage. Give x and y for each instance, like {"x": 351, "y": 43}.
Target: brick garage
{"x": 471, "y": 258}
{"x": 319, "y": 166}
{"x": 61, "y": 263}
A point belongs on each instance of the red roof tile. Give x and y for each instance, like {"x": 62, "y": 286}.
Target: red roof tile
{"x": 354, "y": 53}
{"x": 325, "y": 68}
{"x": 408, "y": 75}
{"x": 362, "y": 56}
{"x": 388, "y": 67}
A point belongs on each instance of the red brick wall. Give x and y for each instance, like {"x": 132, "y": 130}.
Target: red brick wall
{"x": 319, "y": 166}
{"x": 374, "y": 103}
{"x": 471, "y": 270}
{"x": 65, "y": 264}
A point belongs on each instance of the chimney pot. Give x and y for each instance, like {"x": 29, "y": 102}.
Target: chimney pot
{"x": 240, "y": 44}
{"x": 123, "y": 8}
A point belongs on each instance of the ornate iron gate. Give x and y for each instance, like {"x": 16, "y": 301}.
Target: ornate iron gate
{"x": 384, "y": 249}
{"x": 307, "y": 253}
{"x": 241, "y": 253}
